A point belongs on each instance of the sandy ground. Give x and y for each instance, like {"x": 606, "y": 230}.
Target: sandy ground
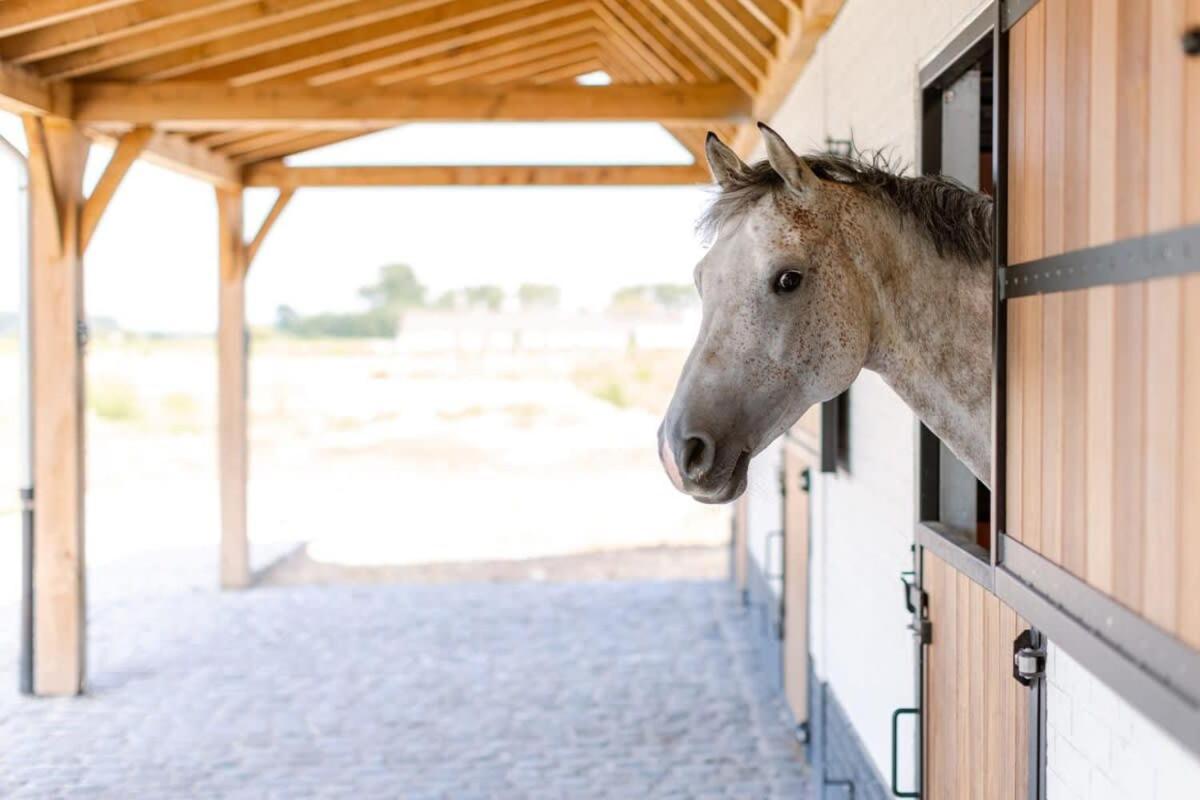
{"x": 371, "y": 457}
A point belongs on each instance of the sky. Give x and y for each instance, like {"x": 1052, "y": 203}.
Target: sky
{"x": 152, "y": 264}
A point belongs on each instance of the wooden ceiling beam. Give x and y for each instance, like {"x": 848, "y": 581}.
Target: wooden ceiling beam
{"x": 667, "y": 31}
{"x": 498, "y": 69}
{"x": 433, "y": 66}
{"x": 204, "y": 59}
{"x": 183, "y": 105}
{"x": 105, "y": 59}
{"x": 568, "y": 72}
{"x": 517, "y": 73}
{"x": 485, "y": 25}
{"x": 275, "y": 174}
{"x": 737, "y": 26}
{"x": 303, "y": 142}
{"x": 97, "y": 29}
{"x": 806, "y": 29}
{"x": 281, "y": 202}
{"x": 174, "y": 152}
{"x": 655, "y": 61}
{"x": 774, "y": 20}
{"x": 18, "y": 16}
{"x": 22, "y": 92}
{"x": 714, "y": 51}
{"x": 343, "y": 47}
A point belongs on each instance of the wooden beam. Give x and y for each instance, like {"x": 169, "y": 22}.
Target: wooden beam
{"x": 45, "y": 205}
{"x": 226, "y": 22}
{"x": 205, "y": 105}
{"x": 805, "y": 31}
{"x": 127, "y": 151}
{"x": 232, "y": 427}
{"x": 58, "y": 431}
{"x": 107, "y": 26}
{"x": 307, "y": 140}
{"x": 276, "y": 174}
{"x": 174, "y": 152}
{"x": 18, "y": 16}
{"x": 285, "y": 197}
{"x": 22, "y": 92}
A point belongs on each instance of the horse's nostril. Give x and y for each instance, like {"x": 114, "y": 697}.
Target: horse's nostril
{"x": 699, "y": 452}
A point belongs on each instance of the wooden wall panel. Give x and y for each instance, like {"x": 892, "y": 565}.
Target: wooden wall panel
{"x": 976, "y": 715}
{"x": 1103, "y": 400}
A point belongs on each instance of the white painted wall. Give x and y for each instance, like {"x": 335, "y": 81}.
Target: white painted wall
{"x": 1100, "y": 748}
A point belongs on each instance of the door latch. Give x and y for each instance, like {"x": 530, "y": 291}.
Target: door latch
{"x": 915, "y": 600}
{"x": 1029, "y": 658}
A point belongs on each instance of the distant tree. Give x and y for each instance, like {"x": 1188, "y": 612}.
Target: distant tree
{"x": 648, "y": 297}
{"x": 487, "y": 296}
{"x": 396, "y": 289}
{"x": 538, "y": 296}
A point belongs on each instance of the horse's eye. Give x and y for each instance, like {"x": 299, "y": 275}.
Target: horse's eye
{"x": 788, "y": 281}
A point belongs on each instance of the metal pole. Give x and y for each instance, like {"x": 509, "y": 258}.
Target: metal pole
{"x": 24, "y": 412}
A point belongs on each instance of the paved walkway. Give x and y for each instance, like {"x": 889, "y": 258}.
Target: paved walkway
{"x": 645, "y": 689}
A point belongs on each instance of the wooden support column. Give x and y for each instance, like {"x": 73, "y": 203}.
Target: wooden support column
{"x": 232, "y": 376}
{"x": 57, "y": 152}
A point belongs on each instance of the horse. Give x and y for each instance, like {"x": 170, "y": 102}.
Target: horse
{"x": 821, "y": 266}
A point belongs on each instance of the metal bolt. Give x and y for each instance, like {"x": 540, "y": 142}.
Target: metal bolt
{"x": 1191, "y": 41}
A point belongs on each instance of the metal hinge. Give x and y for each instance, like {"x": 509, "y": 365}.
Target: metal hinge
{"x": 81, "y": 334}
{"x": 1029, "y": 658}
{"x": 806, "y": 481}
{"x": 916, "y": 600}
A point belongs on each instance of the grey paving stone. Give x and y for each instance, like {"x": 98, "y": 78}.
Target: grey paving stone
{"x": 586, "y": 690}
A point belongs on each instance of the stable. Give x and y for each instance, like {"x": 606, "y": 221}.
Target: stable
{"x": 224, "y": 91}
{"x": 932, "y": 637}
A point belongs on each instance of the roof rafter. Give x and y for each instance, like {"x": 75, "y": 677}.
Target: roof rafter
{"x": 18, "y": 16}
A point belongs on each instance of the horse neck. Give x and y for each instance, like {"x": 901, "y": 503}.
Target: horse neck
{"x": 932, "y": 336}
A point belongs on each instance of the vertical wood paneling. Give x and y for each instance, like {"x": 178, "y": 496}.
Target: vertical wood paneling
{"x": 1075, "y": 405}
{"x": 1189, "y": 512}
{"x": 1164, "y": 360}
{"x": 976, "y": 732}
{"x": 1189, "y": 473}
{"x": 1129, "y": 330}
{"x": 1031, "y": 422}
{"x": 1102, "y": 407}
{"x": 1101, "y": 427}
{"x": 1052, "y": 426}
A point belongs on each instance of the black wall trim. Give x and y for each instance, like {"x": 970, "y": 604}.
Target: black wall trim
{"x": 1174, "y": 252}
{"x": 1015, "y": 9}
{"x": 1149, "y": 668}
{"x": 966, "y": 47}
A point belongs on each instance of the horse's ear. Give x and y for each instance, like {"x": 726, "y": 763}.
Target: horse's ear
{"x": 795, "y": 173}
{"x": 722, "y": 161}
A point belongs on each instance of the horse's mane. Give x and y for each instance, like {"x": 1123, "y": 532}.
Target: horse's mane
{"x": 957, "y": 220}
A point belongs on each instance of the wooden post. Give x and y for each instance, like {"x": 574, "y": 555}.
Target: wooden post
{"x": 58, "y": 152}
{"x": 231, "y": 366}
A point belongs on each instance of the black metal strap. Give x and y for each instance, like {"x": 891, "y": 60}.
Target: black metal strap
{"x": 1174, "y": 252}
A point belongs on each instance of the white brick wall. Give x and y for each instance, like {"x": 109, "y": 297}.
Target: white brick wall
{"x": 1100, "y": 748}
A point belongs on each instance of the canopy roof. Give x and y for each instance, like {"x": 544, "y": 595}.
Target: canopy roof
{"x": 224, "y": 89}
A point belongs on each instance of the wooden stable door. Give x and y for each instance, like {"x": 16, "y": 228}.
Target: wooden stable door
{"x": 797, "y": 478}
{"x": 976, "y": 715}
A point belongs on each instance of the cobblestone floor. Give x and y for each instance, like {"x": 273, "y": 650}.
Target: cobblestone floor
{"x": 646, "y": 689}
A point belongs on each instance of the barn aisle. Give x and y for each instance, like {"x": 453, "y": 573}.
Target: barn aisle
{"x": 526, "y": 689}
